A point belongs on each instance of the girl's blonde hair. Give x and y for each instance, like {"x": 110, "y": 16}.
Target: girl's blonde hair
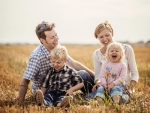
{"x": 101, "y": 27}
{"x": 115, "y": 45}
{"x": 59, "y": 53}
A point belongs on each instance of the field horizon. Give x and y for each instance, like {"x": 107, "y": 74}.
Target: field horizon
{"x": 13, "y": 61}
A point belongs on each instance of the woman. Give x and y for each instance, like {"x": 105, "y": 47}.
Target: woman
{"x": 104, "y": 33}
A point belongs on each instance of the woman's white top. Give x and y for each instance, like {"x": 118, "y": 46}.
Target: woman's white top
{"x": 129, "y": 60}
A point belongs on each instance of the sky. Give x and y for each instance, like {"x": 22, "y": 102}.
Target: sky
{"x": 75, "y": 20}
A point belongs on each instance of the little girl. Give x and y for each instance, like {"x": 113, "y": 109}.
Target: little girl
{"x": 112, "y": 74}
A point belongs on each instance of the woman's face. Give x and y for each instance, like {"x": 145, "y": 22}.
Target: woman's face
{"x": 105, "y": 37}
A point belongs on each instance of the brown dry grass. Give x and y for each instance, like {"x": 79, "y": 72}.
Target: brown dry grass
{"x": 13, "y": 61}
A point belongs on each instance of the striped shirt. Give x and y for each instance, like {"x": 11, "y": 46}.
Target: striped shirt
{"x": 61, "y": 80}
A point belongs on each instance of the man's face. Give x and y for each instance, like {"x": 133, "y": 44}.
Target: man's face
{"x": 51, "y": 40}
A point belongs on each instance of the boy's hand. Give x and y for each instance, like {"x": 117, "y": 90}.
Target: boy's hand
{"x": 69, "y": 92}
{"x": 110, "y": 87}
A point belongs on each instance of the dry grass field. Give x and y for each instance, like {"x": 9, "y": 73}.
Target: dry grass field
{"x": 13, "y": 61}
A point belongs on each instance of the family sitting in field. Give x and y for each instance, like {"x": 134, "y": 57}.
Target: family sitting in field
{"x": 55, "y": 75}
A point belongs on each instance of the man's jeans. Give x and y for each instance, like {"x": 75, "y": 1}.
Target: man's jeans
{"x": 88, "y": 81}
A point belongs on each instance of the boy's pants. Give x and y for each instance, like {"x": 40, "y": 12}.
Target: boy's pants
{"x": 54, "y": 97}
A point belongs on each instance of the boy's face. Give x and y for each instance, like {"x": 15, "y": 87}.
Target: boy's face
{"x": 58, "y": 64}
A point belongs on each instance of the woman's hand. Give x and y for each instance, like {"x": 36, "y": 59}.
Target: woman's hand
{"x": 132, "y": 85}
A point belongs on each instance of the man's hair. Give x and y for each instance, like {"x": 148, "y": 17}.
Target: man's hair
{"x": 115, "y": 45}
{"x": 41, "y": 28}
{"x": 101, "y": 27}
{"x": 59, "y": 53}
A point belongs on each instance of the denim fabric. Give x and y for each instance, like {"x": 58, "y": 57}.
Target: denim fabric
{"x": 54, "y": 97}
{"x": 100, "y": 92}
{"x": 117, "y": 90}
{"x": 125, "y": 98}
{"x": 88, "y": 81}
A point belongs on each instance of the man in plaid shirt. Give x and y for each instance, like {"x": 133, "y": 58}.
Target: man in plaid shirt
{"x": 59, "y": 82}
{"x": 40, "y": 62}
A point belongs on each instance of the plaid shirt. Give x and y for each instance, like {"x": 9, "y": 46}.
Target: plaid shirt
{"x": 38, "y": 67}
{"x": 62, "y": 80}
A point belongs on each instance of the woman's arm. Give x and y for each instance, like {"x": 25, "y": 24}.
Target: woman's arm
{"x": 132, "y": 65}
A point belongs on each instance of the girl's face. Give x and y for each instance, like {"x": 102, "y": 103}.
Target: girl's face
{"x": 105, "y": 37}
{"x": 114, "y": 55}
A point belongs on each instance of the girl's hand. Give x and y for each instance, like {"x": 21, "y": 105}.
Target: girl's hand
{"x": 110, "y": 87}
{"x": 105, "y": 87}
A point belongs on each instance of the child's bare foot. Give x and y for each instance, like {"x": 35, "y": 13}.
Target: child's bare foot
{"x": 116, "y": 99}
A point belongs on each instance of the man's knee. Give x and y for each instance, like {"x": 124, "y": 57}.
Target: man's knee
{"x": 85, "y": 75}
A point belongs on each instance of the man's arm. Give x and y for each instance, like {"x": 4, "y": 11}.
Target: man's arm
{"x": 23, "y": 89}
{"x": 78, "y": 66}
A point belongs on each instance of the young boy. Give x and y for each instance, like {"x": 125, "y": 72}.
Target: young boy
{"x": 60, "y": 82}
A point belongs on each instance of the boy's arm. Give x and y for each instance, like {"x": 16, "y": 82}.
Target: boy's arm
{"x": 43, "y": 90}
{"x": 75, "y": 88}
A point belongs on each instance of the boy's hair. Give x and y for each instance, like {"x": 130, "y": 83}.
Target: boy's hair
{"x": 41, "y": 28}
{"x": 117, "y": 46}
{"x": 59, "y": 53}
{"x": 101, "y": 27}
